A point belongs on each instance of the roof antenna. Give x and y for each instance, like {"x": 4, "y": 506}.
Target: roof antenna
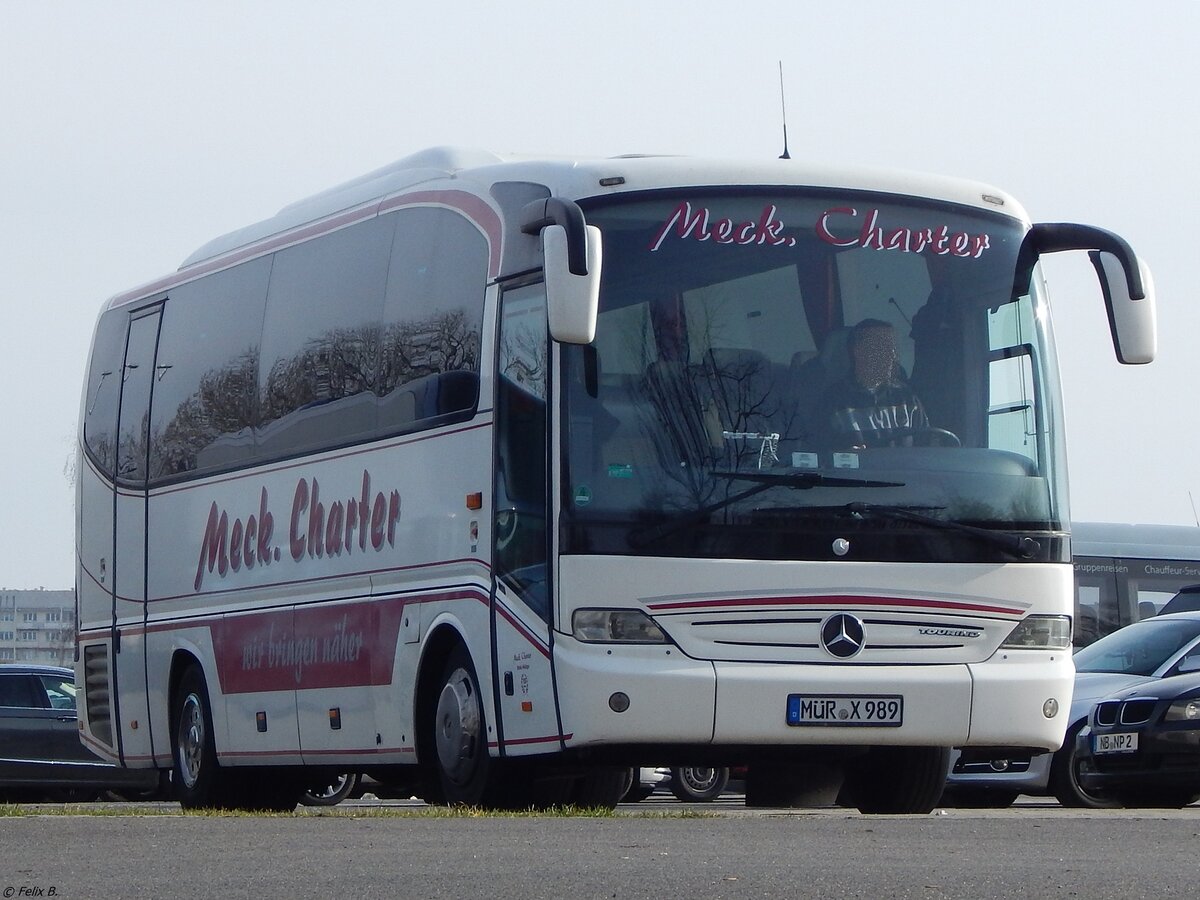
{"x": 783, "y": 109}
{"x": 1193, "y": 502}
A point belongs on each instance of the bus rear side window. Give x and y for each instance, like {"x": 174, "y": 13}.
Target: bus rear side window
{"x": 204, "y": 394}
{"x": 104, "y": 389}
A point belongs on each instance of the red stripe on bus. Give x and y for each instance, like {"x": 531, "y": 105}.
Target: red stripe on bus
{"x": 832, "y": 600}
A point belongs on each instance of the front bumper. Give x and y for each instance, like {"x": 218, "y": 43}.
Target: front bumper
{"x": 1002, "y": 771}
{"x": 1166, "y": 758}
{"x": 676, "y": 699}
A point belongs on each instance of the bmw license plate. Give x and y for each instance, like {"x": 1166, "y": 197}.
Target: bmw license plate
{"x": 1123, "y": 742}
{"x": 845, "y": 709}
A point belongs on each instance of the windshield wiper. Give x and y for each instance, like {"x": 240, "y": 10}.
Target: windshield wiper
{"x": 804, "y": 480}
{"x": 765, "y": 480}
{"x": 1018, "y": 545}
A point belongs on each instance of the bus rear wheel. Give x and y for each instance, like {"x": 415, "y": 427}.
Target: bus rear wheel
{"x": 600, "y": 788}
{"x": 197, "y": 776}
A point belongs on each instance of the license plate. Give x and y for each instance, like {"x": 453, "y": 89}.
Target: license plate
{"x": 1124, "y": 742}
{"x": 845, "y": 709}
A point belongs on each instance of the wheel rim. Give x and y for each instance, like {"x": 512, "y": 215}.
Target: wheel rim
{"x": 190, "y": 740}
{"x": 699, "y": 780}
{"x": 458, "y": 727}
{"x": 330, "y": 791}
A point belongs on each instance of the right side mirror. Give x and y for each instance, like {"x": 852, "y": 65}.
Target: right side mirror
{"x": 1132, "y": 322}
{"x": 1124, "y": 278}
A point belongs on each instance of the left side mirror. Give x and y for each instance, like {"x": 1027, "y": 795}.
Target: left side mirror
{"x": 572, "y": 300}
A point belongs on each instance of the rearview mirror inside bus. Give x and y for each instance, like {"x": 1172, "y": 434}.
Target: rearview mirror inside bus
{"x": 1132, "y": 321}
{"x": 571, "y": 300}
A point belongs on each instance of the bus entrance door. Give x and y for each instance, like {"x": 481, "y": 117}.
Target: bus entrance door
{"x": 129, "y": 537}
{"x": 521, "y": 608}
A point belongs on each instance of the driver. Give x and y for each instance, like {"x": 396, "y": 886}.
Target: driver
{"x": 872, "y": 406}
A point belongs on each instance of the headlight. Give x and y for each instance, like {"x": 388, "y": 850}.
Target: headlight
{"x": 1040, "y": 633}
{"x": 616, "y": 626}
{"x": 1183, "y": 711}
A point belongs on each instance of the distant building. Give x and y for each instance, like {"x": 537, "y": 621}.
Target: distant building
{"x": 37, "y": 626}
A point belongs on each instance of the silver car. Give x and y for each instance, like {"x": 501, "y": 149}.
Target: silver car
{"x": 1152, "y": 648}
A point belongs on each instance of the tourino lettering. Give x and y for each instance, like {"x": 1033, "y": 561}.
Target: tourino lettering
{"x": 315, "y": 531}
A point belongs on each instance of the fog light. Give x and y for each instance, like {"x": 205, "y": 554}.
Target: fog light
{"x": 1050, "y": 708}
{"x": 618, "y": 702}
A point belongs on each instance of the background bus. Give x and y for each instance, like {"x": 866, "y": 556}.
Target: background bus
{"x": 1124, "y": 572}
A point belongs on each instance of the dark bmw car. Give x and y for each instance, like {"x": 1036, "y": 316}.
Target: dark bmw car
{"x": 1142, "y": 744}
{"x": 41, "y": 756}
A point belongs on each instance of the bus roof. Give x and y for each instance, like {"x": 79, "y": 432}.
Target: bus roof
{"x": 579, "y": 178}
{"x": 476, "y": 171}
{"x": 1135, "y": 541}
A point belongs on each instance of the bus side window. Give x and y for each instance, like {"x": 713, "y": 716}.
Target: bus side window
{"x": 104, "y": 389}
{"x": 320, "y": 340}
{"x": 205, "y": 390}
{"x": 521, "y": 490}
{"x": 432, "y": 320}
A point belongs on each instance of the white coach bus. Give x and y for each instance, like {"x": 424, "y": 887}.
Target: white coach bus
{"x": 493, "y": 477}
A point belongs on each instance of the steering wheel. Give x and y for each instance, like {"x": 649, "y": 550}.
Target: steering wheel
{"x": 933, "y": 436}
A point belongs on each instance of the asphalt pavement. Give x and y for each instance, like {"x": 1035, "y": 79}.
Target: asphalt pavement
{"x": 658, "y": 848}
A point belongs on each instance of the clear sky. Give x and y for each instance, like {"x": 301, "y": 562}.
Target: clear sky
{"x": 134, "y": 132}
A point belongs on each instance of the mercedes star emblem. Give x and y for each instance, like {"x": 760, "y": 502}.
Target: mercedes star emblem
{"x": 842, "y": 635}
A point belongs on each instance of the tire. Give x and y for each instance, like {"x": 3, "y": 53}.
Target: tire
{"x": 199, "y": 780}
{"x": 809, "y": 780}
{"x": 339, "y": 788}
{"x": 601, "y": 788}
{"x": 693, "y": 784}
{"x": 901, "y": 780}
{"x": 464, "y": 765}
{"x": 636, "y": 792}
{"x": 1064, "y": 778}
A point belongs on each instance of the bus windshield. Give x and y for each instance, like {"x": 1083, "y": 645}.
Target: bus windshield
{"x": 776, "y": 368}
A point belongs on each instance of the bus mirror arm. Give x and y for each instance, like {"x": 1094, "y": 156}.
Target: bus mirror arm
{"x": 1124, "y": 279}
{"x": 571, "y": 256}
{"x": 556, "y": 211}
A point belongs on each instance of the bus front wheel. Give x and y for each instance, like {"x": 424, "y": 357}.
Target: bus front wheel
{"x": 900, "y": 780}
{"x": 464, "y": 766}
